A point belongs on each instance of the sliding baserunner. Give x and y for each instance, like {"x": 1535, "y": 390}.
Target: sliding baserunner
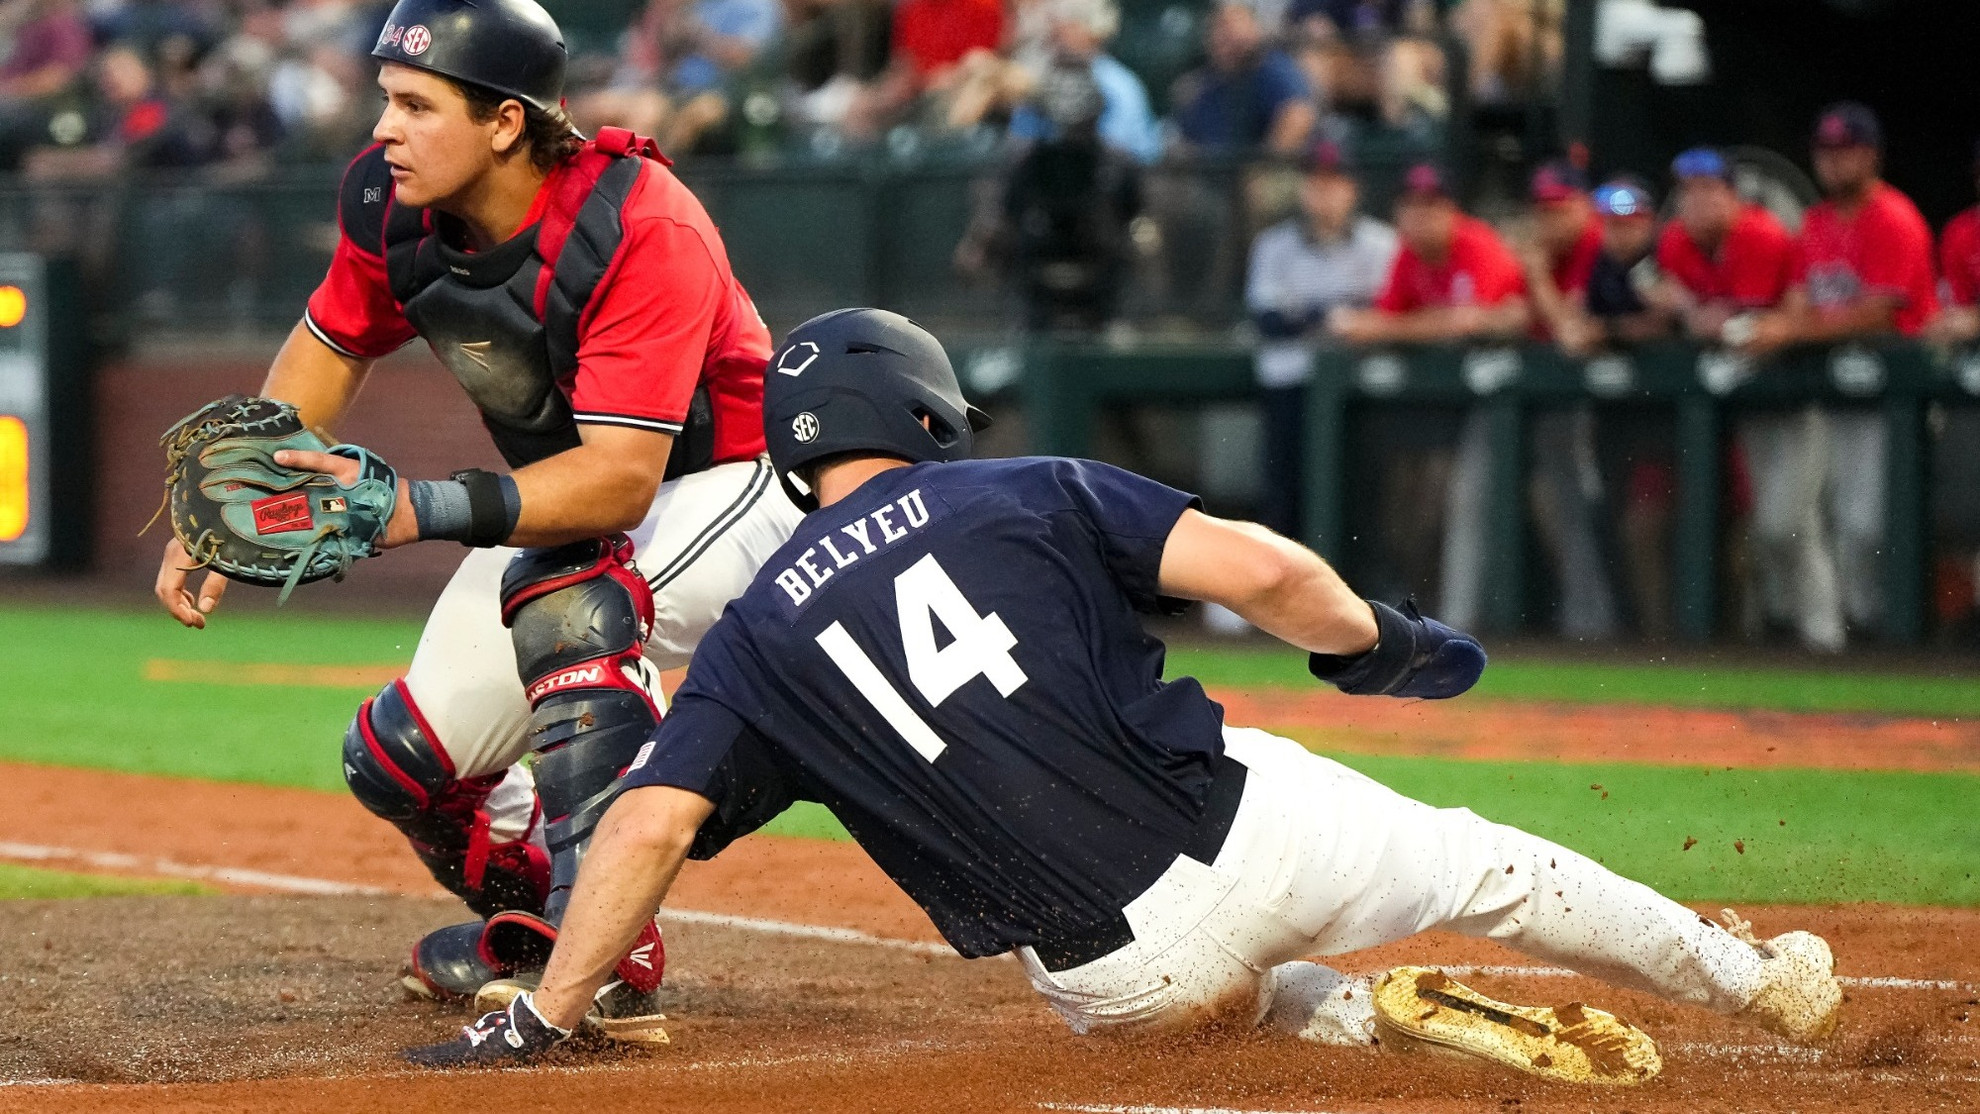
{"x": 949, "y": 655}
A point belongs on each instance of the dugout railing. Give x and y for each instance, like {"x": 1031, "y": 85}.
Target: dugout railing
{"x": 1065, "y": 386}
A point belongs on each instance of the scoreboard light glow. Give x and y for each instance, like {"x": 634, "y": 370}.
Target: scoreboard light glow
{"x": 13, "y": 477}
{"x": 13, "y": 306}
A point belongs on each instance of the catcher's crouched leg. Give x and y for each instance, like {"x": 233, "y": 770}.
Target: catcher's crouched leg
{"x": 397, "y": 772}
{"x": 580, "y": 616}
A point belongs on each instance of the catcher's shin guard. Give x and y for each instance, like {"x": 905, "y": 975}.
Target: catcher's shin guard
{"x": 580, "y": 615}
{"x": 395, "y": 770}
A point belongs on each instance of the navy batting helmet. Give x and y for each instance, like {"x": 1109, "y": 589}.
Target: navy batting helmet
{"x": 510, "y": 46}
{"x": 862, "y": 381}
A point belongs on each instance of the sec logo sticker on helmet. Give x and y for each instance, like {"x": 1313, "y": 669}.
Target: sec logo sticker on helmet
{"x": 417, "y": 39}
{"x": 804, "y": 427}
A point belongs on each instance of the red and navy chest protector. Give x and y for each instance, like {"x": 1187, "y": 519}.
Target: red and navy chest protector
{"x": 507, "y": 321}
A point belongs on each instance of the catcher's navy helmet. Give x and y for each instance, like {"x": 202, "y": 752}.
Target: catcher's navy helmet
{"x": 510, "y": 46}
{"x": 862, "y": 381}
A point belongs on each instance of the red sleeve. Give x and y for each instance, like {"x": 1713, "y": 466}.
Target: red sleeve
{"x": 1499, "y": 275}
{"x": 646, "y": 335}
{"x": 353, "y": 310}
{"x": 1760, "y": 271}
{"x": 1671, "y": 256}
{"x": 1396, "y": 296}
{"x": 1893, "y": 254}
{"x": 1956, "y": 257}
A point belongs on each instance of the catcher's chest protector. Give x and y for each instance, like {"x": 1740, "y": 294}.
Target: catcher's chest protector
{"x": 505, "y": 321}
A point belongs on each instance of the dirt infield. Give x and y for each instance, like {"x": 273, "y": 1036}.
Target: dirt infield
{"x": 288, "y": 1003}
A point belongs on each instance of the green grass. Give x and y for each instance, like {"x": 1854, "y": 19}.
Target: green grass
{"x": 1895, "y": 837}
{"x": 71, "y": 693}
{"x": 1689, "y": 686}
{"x": 33, "y": 882}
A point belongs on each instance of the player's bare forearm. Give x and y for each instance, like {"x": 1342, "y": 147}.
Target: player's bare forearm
{"x": 602, "y": 486}
{"x": 1278, "y": 585}
{"x": 635, "y": 854}
{"x": 317, "y": 378}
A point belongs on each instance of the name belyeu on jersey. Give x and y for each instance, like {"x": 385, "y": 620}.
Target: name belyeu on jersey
{"x": 866, "y": 536}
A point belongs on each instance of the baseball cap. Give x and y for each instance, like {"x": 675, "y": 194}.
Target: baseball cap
{"x": 1701, "y": 162}
{"x": 1327, "y": 157}
{"x": 1623, "y": 197}
{"x": 1847, "y": 124}
{"x": 1558, "y": 180}
{"x": 1425, "y": 180}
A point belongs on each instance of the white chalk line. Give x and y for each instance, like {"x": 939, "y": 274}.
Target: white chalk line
{"x": 1868, "y": 982}
{"x": 298, "y": 884}
{"x": 805, "y": 931}
{"x": 138, "y": 864}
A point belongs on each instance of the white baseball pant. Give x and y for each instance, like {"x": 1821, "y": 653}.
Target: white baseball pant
{"x": 699, "y": 547}
{"x": 1321, "y": 860}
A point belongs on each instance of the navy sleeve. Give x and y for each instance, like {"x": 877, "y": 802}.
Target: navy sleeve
{"x": 707, "y": 749}
{"x": 1133, "y": 516}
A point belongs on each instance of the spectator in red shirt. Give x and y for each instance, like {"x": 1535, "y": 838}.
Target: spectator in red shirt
{"x": 1453, "y": 280}
{"x": 932, "y": 36}
{"x": 1723, "y": 256}
{"x": 1864, "y": 264}
{"x": 1559, "y": 261}
{"x": 1568, "y": 241}
{"x": 1863, "y": 269}
{"x": 939, "y": 47}
{"x": 1959, "y": 267}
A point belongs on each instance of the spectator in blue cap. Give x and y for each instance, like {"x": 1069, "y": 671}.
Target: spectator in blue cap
{"x": 1617, "y": 309}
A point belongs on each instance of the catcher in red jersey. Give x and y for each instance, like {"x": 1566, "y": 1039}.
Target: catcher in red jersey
{"x": 583, "y": 299}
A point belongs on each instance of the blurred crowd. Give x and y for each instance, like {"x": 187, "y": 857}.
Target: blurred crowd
{"x": 1601, "y": 269}
{"x": 90, "y": 86}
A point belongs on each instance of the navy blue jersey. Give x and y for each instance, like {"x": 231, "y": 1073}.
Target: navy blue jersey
{"x": 951, "y": 660}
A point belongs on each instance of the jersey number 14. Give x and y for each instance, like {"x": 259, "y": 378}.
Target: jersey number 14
{"x": 979, "y": 646}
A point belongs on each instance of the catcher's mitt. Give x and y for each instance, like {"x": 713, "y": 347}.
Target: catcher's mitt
{"x": 240, "y": 513}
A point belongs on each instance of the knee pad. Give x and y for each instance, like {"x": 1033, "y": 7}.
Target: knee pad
{"x": 390, "y": 764}
{"x": 580, "y": 615}
{"x": 397, "y": 772}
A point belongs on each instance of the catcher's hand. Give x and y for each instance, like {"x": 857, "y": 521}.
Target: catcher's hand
{"x": 257, "y": 497}
{"x": 516, "y": 1035}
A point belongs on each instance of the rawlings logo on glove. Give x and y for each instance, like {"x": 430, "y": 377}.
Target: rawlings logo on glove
{"x": 240, "y": 513}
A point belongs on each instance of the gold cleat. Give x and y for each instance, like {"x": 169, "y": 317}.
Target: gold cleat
{"x": 1572, "y": 1043}
{"x": 618, "y": 1013}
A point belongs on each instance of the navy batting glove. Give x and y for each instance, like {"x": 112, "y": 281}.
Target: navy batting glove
{"x": 1413, "y": 657}
{"x": 516, "y": 1035}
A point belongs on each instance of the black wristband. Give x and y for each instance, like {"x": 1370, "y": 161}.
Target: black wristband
{"x": 1382, "y": 669}
{"x": 490, "y": 517}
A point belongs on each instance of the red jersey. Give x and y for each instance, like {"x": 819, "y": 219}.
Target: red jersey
{"x": 1480, "y": 270}
{"x": 1884, "y": 247}
{"x": 1959, "y": 258}
{"x": 933, "y": 35}
{"x": 667, "y": 317}
{"x": 1752, "y": 269}
{"x": 1572, "y": 271}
